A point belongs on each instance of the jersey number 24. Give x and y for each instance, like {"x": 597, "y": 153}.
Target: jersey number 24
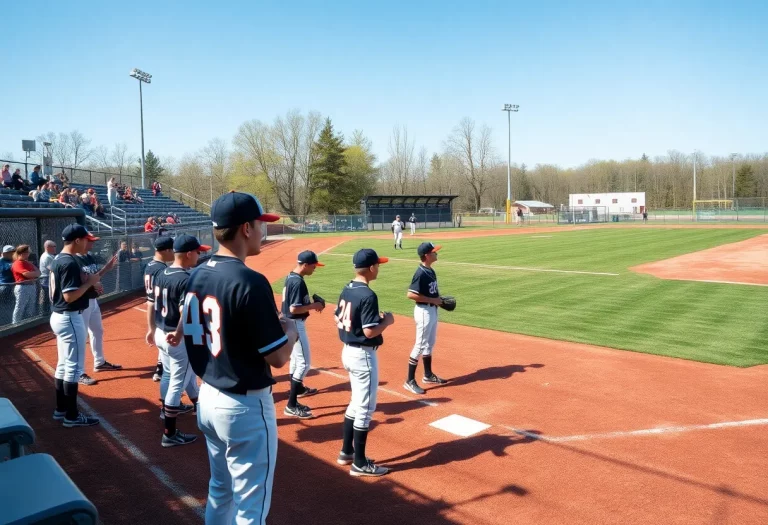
{"x": 345, "y": 316}
{"x": 211, "y": 330}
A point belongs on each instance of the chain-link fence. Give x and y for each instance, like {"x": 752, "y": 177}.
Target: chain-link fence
{"x": 27, "y": 303}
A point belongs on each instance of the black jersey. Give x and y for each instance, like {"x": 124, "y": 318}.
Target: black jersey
{"x": 424, "y": 282}
{"x": 230, "y": 324}
{"x": 65, "y": 277}
{"x": 358, "y": 308}
{"x": 170, "y": 286}
{"x": 89, "y": 265}
{"x": 295, "y": 293}
{"x": 153, "y": 268}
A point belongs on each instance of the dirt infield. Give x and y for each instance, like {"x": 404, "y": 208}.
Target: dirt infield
{"x": 744, "y": 262}
{"x": 576, "y": 434}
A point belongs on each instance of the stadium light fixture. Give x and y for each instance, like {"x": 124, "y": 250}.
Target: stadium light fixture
{"x": 509, "y": 108}
{"x": 142, "y": 77}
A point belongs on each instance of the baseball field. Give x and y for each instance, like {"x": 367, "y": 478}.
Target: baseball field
{"x": 578, "y": 286}
{"x": 599, "y": 375}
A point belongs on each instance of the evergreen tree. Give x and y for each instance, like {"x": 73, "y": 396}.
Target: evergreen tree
{"x": 153, "y": 170}
{"x": 523, "y": 190}
{"x": 746, "y": 183}
{"x": 330, "y": 191}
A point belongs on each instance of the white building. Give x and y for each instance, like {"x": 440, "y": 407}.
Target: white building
{"x": 629, "y": 202}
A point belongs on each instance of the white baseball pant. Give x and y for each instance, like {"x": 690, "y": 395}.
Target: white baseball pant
{"x": 241, "y": 435}
{"x": 92, "y": 320}
{"x": 70, "y": 332}
{"x": 398, "y": 238}
{"x": 177, "y": 372}
{"x": 426, "y": 330}
{"x": 301, "y": 358}
{"x": 363, "y": 366}
{"x": 413, "y": 228}
{"x": 25, "y": 299}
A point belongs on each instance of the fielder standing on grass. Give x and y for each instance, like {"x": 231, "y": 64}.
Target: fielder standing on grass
{"x": 397, "y": 232}
{"x": 412, "y": 223}
{"x": 424, "y": 292}
{"x": 92, "y": 314}
{"x": 170, "y": 289}
{"x": 296, "y": 305}
{"x": 360, "y": 325}
{"x": 233, "y": 337}
{"x": 68, "y": 286}
{"x": 163, "y": 255}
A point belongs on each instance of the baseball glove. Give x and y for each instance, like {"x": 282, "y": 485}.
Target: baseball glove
{"x": 449, "y": 303}
{"x": 318, "y": 299}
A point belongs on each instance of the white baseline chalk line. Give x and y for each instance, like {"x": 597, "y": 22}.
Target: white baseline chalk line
{"x": 644, "y": 432}
{"x": 387, "y": 390}
{"x": 131, "y": 448}
{"x": 495, "y": 267}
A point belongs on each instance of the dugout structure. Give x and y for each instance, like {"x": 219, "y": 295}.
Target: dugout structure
{"x": 432, "y": 211}
{"x": 582, "y": 214}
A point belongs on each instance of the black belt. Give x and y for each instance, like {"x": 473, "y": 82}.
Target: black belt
{"x": 359, "y": 345}
{"x": 240, "y": 390}
{"x": 426, "y": 304}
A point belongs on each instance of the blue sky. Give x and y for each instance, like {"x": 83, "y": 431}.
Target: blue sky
{"x": 596, "y": 80}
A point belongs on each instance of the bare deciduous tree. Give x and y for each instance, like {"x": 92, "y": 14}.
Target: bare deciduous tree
{"x": 474, "y": 152}
{"x": 398, "y": 170}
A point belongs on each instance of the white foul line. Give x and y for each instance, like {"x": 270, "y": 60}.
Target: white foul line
{"x": 387, "y": 390}
{"x": 495, "y": 267}
{"x": 132, "y": 449}
{"x": 331, "y": 248}
{"x": 139, "y": 309}
{"x": 643, "y": 432}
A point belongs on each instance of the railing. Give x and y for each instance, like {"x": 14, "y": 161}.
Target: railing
{"x": 170, "y": 190}
{"x": 78, "y": 175}
{"x": 96, "y": 224}
{"x": 124, "y": 218}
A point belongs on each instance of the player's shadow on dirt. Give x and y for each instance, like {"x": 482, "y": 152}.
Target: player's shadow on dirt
{"x": 456, "y": 450}
{"x": 488, "y": 374}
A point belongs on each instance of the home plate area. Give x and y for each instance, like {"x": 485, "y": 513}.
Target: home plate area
{"x": 460, "y": 425}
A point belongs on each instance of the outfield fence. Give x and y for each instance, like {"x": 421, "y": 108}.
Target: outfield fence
{"x": 24, "y": 305}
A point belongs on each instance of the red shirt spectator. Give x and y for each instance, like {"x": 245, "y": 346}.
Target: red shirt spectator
{"x": 170, "y": 220}
{"x": 148, "y": 227}
{"x": 22, "y": 266}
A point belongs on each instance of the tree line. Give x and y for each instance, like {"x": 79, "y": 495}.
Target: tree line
{"x": 300, "y": 164}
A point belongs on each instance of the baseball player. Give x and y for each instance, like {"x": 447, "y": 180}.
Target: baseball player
{"x": 360, "y": 327}
{"x": 68, "y": 287}
{"x": 423, "y": 291}
{"x": 412, "y": 223}
{"x": 163, "y": 255}
{"x": 233, "y": 337}
{"x": 296, "y": 305}
{"x": 170, "y": 287}
{"x": 397, "y": 231}
{"x": 92, "y": 314}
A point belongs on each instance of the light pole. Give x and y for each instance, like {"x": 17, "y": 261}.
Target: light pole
{"x": 141, "y": 76}
{"x": 509, "y": 108}
{"x": 733, "y": 165}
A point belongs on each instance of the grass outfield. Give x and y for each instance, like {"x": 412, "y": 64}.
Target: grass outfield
{"x": 607, "y": 306}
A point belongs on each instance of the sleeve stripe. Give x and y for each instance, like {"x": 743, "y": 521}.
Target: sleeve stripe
{"x": 65, "y": 290}
{"x": 371, "y": 325}
{"x": 414, "y": 291}
{"x": 277, "y": 343}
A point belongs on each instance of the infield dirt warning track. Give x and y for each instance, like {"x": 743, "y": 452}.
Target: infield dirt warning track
{"x": 528, "y": 430}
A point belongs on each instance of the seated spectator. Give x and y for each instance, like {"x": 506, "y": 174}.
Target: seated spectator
{"x": 128, "y": 194}
{"x": 24, "y": 273}
{"x": 87, "y": 203}
{"x": 37, "y": 176}
{"x": 157, "y": 189}
{"x": 98, "y": 209}
{"x": 18, "y": 183}
{"x": 53, "y": 191}
{"x": 150, "y": 225}
{"x": 7, "y": 176}
{"x": 40, "y": 194}
{"x": 170, "y": 220}
{"x": 63, "y": 180}
{"x": 64, "y": 199}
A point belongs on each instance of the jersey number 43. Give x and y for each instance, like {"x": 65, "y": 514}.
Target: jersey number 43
{"x": 211, "y": 330}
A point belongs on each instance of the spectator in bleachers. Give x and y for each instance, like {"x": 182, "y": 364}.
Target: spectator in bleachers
{"x": 7, "y": 176}
{"x": 46, "y": 260}
{"x": 24, "y": 273}
{"x": 98, "y": 209}
{"x": 19, "y": 183}
{"x": 53, "y": 191}
{"x": 36, "y": 176}
{"x": 157, "y": 189}
{"x": 63, "y": 180}
{"x": 112, "y": 191}
{"x": 150, "y": 225}
{"x": 87, "y": 203}
{"x": 39, "y": 194}
{"x": 6, "y": 274}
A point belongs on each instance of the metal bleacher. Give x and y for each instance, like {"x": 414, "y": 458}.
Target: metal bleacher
{"x": 124, "y": 217}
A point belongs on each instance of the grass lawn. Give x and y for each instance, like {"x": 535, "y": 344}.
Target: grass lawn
{"x": 714, "y": 323}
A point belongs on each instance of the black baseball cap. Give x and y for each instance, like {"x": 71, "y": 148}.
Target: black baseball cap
{"x": 309, "y": 257}
{"x": 188, "y": 243}
{"x": 235, "y": 208}
{"x": 163, "y": 243}
{"x": 366, "y": 258}
{"x": 76, "y": 231}
{"x": 427, "y": 247}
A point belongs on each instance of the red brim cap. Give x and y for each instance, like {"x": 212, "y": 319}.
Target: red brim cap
{"x": 91, "y": 237}
{"x": 204, "y": 248}
{"x": 383, "y": 260}
{"x": 437, "y": 248}
{"x": 319, "y": 264}
{"x": 268, "y": 217}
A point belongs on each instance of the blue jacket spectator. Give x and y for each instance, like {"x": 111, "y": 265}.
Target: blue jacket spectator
{"x": 6, "y": 275}
{"x": 36, "y": 176}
